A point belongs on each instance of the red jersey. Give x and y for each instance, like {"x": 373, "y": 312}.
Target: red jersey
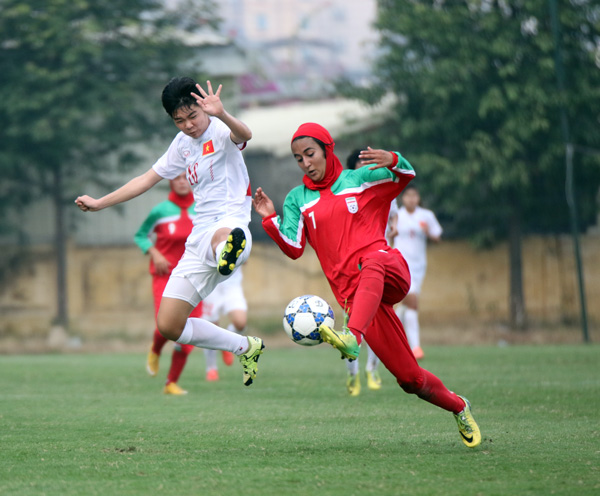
{"x": 342, "y": 222}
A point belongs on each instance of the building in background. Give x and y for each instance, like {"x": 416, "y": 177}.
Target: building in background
{"x": 297, "y": 49}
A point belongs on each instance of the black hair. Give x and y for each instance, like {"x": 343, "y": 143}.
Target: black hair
{"x": 318, "y": 141}
{"x": 353, "y": 159}
{"x": 178, "y": 93}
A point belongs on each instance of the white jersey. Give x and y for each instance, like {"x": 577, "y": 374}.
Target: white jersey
{"x": 393, "y": 209}
{"x": 411, "y": 239}
{"x": 216, "y": 170}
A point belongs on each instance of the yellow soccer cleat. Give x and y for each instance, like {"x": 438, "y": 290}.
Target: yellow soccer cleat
{"x": 152, "y": 363}
{"x": 249, "y": 360}
{"x": 174, "y": 389}
{"x": 234, "y": 246}
{"x": 373, "y": 380}
{"x": 344, "y": 341}
{"x": 353, "y": 384}
{"x": 467, "y": 427}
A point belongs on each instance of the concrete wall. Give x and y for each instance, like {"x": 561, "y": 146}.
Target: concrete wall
{"x": 110, "y": 296}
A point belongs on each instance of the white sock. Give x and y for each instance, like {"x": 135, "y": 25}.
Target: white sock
{"x": 372, "y": 359}
{"x": 352, "y": 367}
{"x": 411, "y": 326}
{"x": 205, "y": 334}
{"x": 211, "y": 359}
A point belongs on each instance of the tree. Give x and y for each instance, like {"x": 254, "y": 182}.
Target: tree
{"x": 79, "y": 80}
{"x": 478, "y": 113}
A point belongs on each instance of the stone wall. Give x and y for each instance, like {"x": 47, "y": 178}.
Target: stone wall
{"x": 109, "y": 292}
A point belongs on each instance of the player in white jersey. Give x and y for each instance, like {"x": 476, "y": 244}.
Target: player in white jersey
{"x": 227, "y": 299}
{"x": 415, "y": 225}
{"x": 208, "y": 149}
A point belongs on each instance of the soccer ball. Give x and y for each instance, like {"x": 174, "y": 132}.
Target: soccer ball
{"x": 302, "y": 319}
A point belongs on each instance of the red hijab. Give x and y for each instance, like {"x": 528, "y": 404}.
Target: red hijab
{"x": 333, "y": 167}
{"x": 182, "y": 202}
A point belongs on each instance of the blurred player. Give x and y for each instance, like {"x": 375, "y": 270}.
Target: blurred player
{"x": 343, "y": 214}
{"x": 227, "y": 299}
{"x": 208, "y": 149}
{"x": 170, "y": 223}
{"x": 415, "y": 225}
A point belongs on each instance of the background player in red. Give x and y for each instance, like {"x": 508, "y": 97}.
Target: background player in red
{"x": 343, "y": 215}
{"x": 170, "y": 222}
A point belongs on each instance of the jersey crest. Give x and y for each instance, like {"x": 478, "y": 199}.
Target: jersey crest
{"x": 352, "y": 204}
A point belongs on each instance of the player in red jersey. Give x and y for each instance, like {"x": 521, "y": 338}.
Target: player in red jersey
{"x": 171, "y": 223}
{"x": 343, "y": 214}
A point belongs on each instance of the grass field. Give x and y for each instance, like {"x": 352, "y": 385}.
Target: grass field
{"x": 97, "y": 424}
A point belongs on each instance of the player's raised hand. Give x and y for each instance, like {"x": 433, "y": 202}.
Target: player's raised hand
{"x": 376, "y": 158}
{"x": 87, "y": 203}
{"x": 262, "y": 203}
{"x": 210, "y": 102}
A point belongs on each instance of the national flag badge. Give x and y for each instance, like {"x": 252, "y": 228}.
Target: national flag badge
{"x": 208, "y": 148}
{"x": 352, "y": 204}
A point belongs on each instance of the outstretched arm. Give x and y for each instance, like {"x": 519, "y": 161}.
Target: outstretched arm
{"x": 211, "y": 104}
{"x": 290, "y": 244}
{"x": 133, "y": 188}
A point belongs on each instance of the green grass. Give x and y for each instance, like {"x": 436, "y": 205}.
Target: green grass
{"x": 96, "y": 424}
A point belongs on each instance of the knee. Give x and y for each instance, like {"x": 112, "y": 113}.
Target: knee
{"x": 168, "y": 328}
{"x": 412, "y": 385}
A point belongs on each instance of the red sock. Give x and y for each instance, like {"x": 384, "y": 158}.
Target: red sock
{"x": 434, "y": 391}
{"x": 158, "y": 341}
{"x": 178, "y": 360}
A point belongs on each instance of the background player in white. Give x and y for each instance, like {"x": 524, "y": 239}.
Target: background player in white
{"x": 208, "y": 148}
{"x": 415, "y": 225}
{"x": 227, "y": 299}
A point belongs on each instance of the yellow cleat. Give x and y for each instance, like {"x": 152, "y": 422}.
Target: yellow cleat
{"x": 249, "y": 360}
{"x": 467, "y": 427}
{"x": 152, "y": 363}
{"x": 344, "y": 341}
{"x": 353, "y": 384}
{"x": 373, "y": 380}
{"x": 174, "y": 389}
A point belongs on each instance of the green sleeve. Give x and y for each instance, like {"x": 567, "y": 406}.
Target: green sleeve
{"x": 403, "y": 166}
{"x": 142, "y": 236}
{"x": 292, "y": 225}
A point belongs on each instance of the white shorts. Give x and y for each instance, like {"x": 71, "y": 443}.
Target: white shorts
{"x": 226, "y": 297}
{"x": 416, "y": 279}
{"x": 198, "y": 269}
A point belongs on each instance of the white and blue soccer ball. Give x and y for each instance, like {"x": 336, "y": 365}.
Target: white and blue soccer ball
{"x": 302, "y": 319}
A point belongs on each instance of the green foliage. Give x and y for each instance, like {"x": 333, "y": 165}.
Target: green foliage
{"x": 80, "y": 80}
{"x": 96, "y": 424}
{"x": 478, "y": 112}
